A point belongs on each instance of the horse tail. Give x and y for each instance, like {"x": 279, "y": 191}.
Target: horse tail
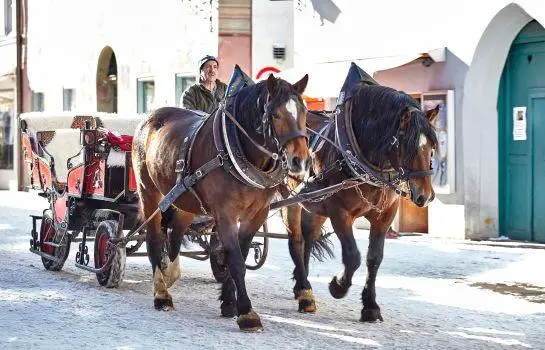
{"x": 322, "y": 247}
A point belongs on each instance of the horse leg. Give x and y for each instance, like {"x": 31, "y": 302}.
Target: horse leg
{"x": 342, "y": 222}
{"x": 292, "y": 220}
{"x": 155, "y": 238}
{"x": 180, "y": 221}
{"x": 311, "y": 225}
{"x": 375, "y": 252}
{"x": 247, "y": 320}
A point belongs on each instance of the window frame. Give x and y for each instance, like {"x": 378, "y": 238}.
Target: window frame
{"x": 178, "y": 91}
{"x": 141, "y": 104}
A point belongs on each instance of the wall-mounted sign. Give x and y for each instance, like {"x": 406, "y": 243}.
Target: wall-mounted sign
{"x": 263, "y": 73}
{"x": 519, "y": 123}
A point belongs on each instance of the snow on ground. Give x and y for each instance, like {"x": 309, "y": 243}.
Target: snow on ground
{"x": 433, "y": 294}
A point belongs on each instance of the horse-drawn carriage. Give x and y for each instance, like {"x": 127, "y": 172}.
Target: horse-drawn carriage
{"x": 375, "y": 147}
{"x": 89, "y": 182}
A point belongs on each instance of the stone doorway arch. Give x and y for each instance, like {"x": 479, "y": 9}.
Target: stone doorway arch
{"x": 106, "y": 82}
{"x": 480, "y": 121}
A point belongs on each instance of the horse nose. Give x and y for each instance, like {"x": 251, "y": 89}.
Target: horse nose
{"x": 296, "y": 162}
{"x": 421, "y": 200}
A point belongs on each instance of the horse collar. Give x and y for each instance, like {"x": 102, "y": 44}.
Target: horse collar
{"x": 227, "y": 140}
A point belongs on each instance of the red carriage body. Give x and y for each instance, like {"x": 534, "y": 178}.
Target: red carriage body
{"x": 88, "y": 179}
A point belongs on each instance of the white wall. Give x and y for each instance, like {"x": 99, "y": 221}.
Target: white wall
{"x": 272, "y": 22}
{"x": 393, "y": 27}
{"x": 159, "y": 39}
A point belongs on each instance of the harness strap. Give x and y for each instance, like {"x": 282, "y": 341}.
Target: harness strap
{"x": 189, "y": 181}
{"x": 185, "y": 148}
{"x": 257, "y": 145}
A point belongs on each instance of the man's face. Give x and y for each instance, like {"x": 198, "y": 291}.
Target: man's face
{"x": 209, "y": 71}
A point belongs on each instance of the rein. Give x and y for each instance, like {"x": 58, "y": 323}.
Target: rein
{"x": 369, "y": 173}
{"x": 372, "y": 173}
{"x": 224, "y": 110}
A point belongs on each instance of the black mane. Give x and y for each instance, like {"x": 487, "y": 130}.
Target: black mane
{"x": 248, "y": 112}
{"x": 376, "y": 118}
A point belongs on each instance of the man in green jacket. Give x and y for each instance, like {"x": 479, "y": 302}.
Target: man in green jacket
{"x": 209, "y": 92}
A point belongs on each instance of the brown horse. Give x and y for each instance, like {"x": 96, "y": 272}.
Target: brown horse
{"x": 270, "y": 113}
{"x": 394, "y": 140}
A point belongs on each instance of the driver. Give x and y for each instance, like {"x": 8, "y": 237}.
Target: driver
{"x": 209, "y": 92}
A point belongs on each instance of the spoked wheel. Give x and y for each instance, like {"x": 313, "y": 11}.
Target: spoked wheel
{"x": 53, "y": 243}
{"x": 259, "y": 248}
{"x": 112, "y": 275}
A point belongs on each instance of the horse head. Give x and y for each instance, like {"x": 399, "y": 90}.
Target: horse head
{"x": 412, "y": 152}
{"x": 396, "y": 136}
{"x": 285, "y": 117}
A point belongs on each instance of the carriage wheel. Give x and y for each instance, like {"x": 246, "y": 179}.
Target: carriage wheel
{"x": 48, "y": 234}
{"x": 260, "y": 250}
{"x": 110, "y": 278}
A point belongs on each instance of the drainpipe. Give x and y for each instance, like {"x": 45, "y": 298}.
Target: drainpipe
{"x": 20, "y": 73}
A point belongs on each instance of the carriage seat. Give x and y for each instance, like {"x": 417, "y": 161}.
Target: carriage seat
{"x": 41, "y": 121}
{"x": 61, "y": 144}
{"x": 121, "y": 124}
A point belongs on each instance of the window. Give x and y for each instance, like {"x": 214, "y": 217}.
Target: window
{"x": 146, "y": 95}
{"x": 68, "y": 100}
{"x": 8, "y": 13}
{"x": 182, "y": 83}
{"x": 37, "y": 101}
{"x": 6, "y": 141}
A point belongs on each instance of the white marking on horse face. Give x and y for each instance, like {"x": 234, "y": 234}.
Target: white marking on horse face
{"x": 291, "y": 107}
{"x": 423, "y": 141}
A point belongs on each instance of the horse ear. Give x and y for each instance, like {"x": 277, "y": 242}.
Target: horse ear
{"x": 301, "y": 85}
{"x": 405, "y": 119}
{"x": 271, "y": 83}
{"x": 432, "y": 114}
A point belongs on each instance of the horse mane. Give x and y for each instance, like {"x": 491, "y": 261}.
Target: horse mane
{"x": 249, "y": 104}
{"x": 376, "y": 114}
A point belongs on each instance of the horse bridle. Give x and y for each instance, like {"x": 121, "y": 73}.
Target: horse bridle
{"x": 394, "y": 154}
{"x": 270, "y": 132}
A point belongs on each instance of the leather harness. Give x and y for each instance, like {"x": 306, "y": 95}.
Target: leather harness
{"x": 230, "y": 156}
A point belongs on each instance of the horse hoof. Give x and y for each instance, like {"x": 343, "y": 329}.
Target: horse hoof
{"x": 297, "y": 294}
{"x": 370, "y": 315}
{"x": 337, "y": 291}
{"x": 228, "y": 309}
{"x": 306, "y": 301}
{"x": 250, "y": 322}
{"x": 163, "y": 304}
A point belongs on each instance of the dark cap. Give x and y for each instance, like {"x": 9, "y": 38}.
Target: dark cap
{"x": 205, "y": 59}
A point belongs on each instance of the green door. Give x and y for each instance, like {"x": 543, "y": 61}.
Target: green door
{"x": 522, "y": 154}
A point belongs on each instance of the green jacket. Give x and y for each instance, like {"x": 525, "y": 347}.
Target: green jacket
{"x": 200, "y": 98}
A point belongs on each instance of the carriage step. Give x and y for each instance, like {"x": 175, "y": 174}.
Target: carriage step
{"x": 54, "y": 245}
{"x": 45, "y": 255}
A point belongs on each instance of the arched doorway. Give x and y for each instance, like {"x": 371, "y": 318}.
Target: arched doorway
{"x": 521, "y": 130}
{"x": 480, "y": 122}
{"x": 107, "y": 81}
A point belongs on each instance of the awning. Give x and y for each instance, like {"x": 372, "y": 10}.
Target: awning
{"x": 326, "y": 79}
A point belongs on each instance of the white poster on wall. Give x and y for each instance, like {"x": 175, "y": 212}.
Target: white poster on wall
{"x": 519, "y": 123}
